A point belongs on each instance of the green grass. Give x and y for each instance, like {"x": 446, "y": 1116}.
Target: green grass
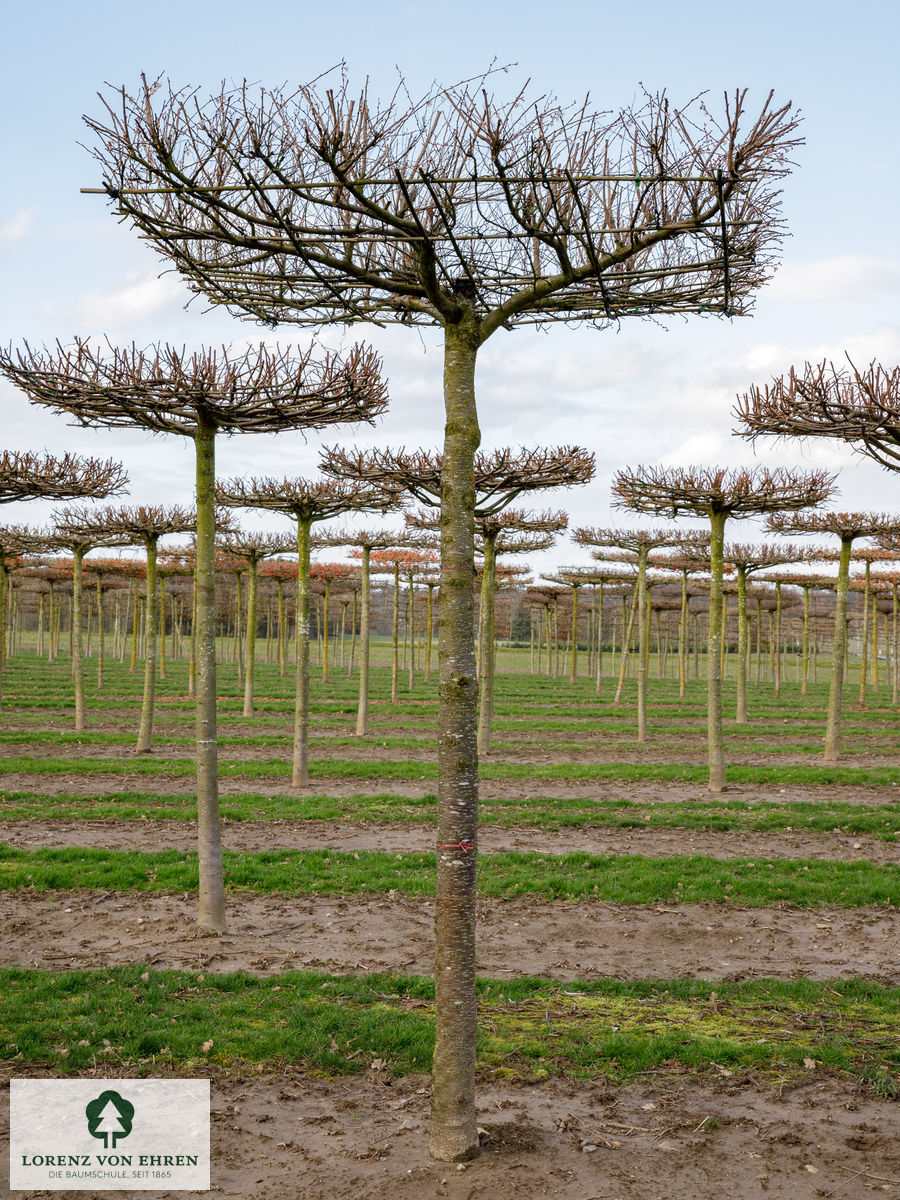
{"x": 625, "y": 878}
{"x": 150, "y": 1022}
{"x": 546, "y": 812}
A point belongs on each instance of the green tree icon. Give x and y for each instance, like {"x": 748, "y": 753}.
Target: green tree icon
{"x": 109, "y": 1116}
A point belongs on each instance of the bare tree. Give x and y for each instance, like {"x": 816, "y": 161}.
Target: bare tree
{"x": 638, "y": 542}
{"x": 718, "y": 494}
{"x": 366, "y": 540}
{"x": 27, "y": 476}
{"x": 473, "y": 214}
{"x": 849, "y": 527}
{"x": 307, "y": 502}
{"x": 254, "y": 547}
{"x": 196, "y": 395}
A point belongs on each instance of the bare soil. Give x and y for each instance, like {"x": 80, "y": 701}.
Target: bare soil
{"x": 521, "y": 936}
{"x": 283, "y": 1136}
{"x": 152, "y": 835}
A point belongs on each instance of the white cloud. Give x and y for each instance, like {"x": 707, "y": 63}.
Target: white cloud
{"x": 16, "y": 228}
{"x": 139, "y": 298}
{"x": 846, "y": 277}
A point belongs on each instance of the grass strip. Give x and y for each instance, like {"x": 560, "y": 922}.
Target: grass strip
{"x": 149, "y": 1021}
{"x": 337, "y": 768}
{"x": 552, "y": 813}
{"x": 624, "y": 879}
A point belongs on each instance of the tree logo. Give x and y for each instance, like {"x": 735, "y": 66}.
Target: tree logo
{"x": 109, "y": 1117}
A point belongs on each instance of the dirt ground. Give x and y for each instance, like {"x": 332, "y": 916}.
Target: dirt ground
{"x": 283, "y": 1136}
{"x": 525, "y": 935}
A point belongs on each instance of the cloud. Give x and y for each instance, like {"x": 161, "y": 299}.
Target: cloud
{"x": 16, "y": 229}
{"x": 139, "y": 298}
{"x": 844, "y": 278}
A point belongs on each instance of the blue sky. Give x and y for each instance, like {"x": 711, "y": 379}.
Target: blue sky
{"x": 642, "y": 394}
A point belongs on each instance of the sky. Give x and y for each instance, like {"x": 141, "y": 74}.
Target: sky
{"x": 639, "y": 394}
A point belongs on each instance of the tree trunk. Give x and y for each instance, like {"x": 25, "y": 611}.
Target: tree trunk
{"x": 395, "y": 634}
{"x": 250, "y": 640}
{"x": 429, "y": 632}
{"x": 573, "y": 664}
{"x": 211, "y": 910}
{"x": 486, "y": 677}
{"x": 77, "y": 647}
{"x": 743, "y": 643}
{"x": 300, "y": 772}
{"x": 598, "y": 684}
{"x": 362, "y": 711}
{"x": 643, "y": 648}
{"x": 100, "y": 635}
{"x": 145, "y": 732}
{"x": 713, "y": 654}
{"x": 864, "y": 639}
{"x": 835, "y": 695}
{"x": 453, "y": 1133}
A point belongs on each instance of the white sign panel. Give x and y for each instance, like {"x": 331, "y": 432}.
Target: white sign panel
{"x": 123, "y": 1134}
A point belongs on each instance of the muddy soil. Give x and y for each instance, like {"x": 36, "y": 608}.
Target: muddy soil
{"x": 639, "y": 792}
{"x": 283, "y": 1136}
{"x": 320, "y": 835}
{"x": 523, "y": 936}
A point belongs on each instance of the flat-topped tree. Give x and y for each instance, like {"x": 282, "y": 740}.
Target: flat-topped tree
{"x": 509, "y": 531}
{"x": 254, "y": 547}
{"x": 748, "y": 560}
{"x": 474, "y": 214}
{"x": 308, "y": 502}
{"x": 28, "y": 476}
{"x": 75, "y": 531}
{"x": 718, "y": 493}
{"x": 499, "y": 478}
{"x": 195, "y": 395}
{"x": 638, "y": 542}
{"x": 849, "y": 527}
{"x": 366, "y": 540}
{"x": 141, "y": 525}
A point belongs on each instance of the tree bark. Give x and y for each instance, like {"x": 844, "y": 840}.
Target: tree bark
{"x": 362, "y": 710}
{"x": 643, "y": 648}
{"x": 486, "y": 643}
{"x": 250, "y": 640}
{"x": 211, "y": 909}
{"x": 835, "y": 695}
{"x": 453, "y": 1134}
{"x": 300, "y": 772}
{"x": 145, "y": 732}
{"x": 713, "y": 654}
{"x": 743, "y": 642}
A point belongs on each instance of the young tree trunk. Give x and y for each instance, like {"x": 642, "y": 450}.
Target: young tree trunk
{"x": 77, "y": 645}
{"x": 411, "y": 631}
{"x": 835, "y": 695}
{"x": 282, "y": 632}
{"x": 145, "y": 732}
{"x": 300, "y": 770}
{"x": 100, "y": 635}
{"x": 453, "y": 1134}
{"x": 713, "y": 655}
{"x": 395, "y": 635}
{"x": 211, "y": 910}
{"x": 362, "y": 710}
{"x": 598, "y": 684}
{"x": 325, "y": 599}
{"x": 353, "y": 617}
{"x": 573, "y": 664}
{"x": 804, "y": 677}
{"x": 740, "y": 714}
{"x": 643, "y": 648}
{"x": 486, "y": 642}
{"x": 864, "y": 639}
{"x": 429, "y": 632}
{"x": 250, "y": 640}
{"x": 162, "y": 627}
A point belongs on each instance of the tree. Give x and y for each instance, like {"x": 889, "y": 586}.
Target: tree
{"x": 638, "y": 542}
{"x": 196, "y": 395}
{"x": 254, "y": 547}
{"x": 718, "y": 493}
{"x": 307, "y": 502}
{"x": 472, "y": 214}
{"x": 848, "y": 527}
{"x": 27, "y": 476}
{"x": 747, "y": 560}
{"x": 365, "y": 540}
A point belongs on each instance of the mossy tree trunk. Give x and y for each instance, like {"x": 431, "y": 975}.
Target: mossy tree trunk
{"x": 486, "y": 645}
{"x": 713, "y": 654}
{"x": 211, "y": 909}
{"x": 362, "y": 708}
{"x": 835, "y": 695}
{"x": 151, "y": 620}
{"x": 300, "y": 768}
{"x": 453, "y": 1132}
